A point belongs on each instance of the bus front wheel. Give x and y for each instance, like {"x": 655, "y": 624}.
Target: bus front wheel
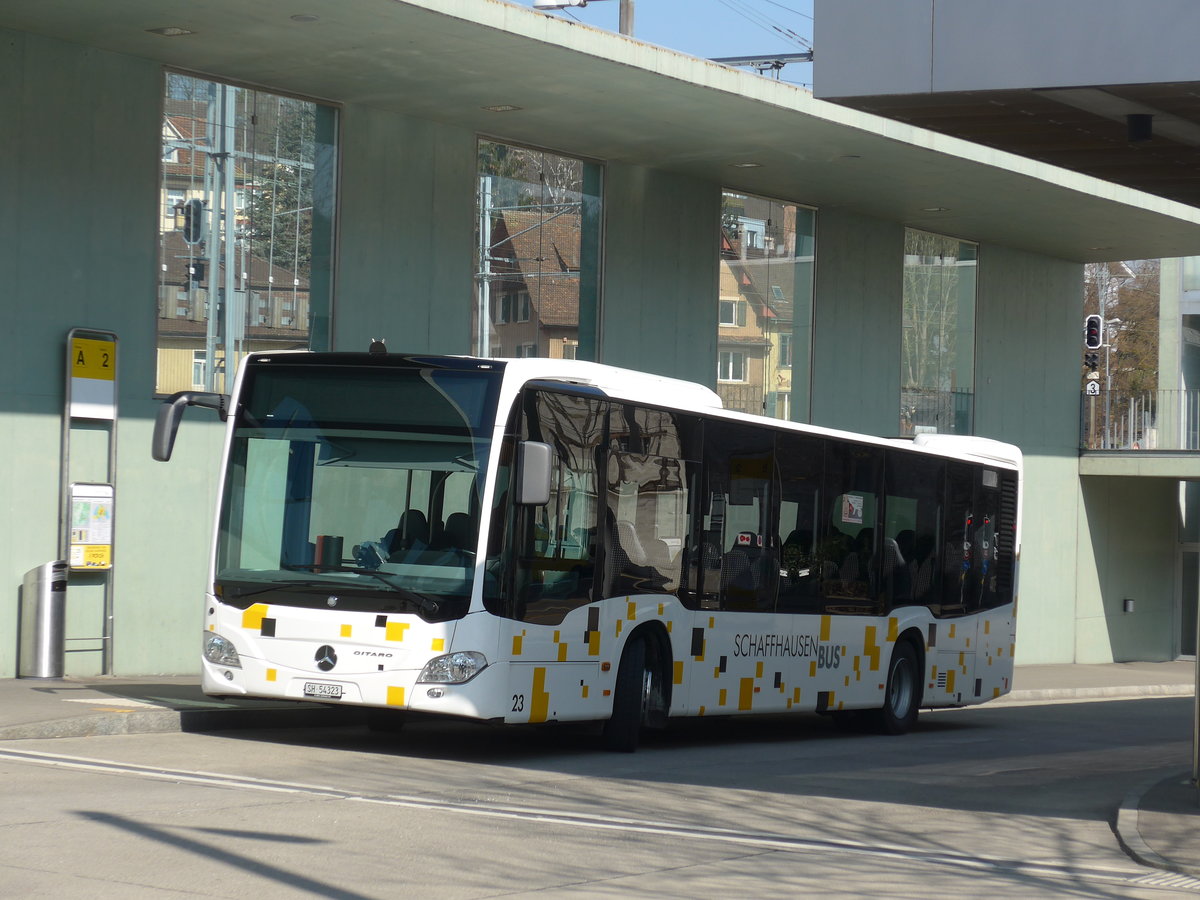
{"x": 636, "y": 690}
{"x": 902, "y": 696}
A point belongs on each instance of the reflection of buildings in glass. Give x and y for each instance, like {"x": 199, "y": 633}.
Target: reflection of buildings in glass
{"x": 756, "y": 306}
{"x": 271, "y": 299}
{"x": 534, "y": 285}
{"x": 275, "y": 311}
{"x": 185, "y": 161}
{"x": 938, "y": 335}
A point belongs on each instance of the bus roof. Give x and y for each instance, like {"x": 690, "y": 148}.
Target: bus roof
{"x": 685, "y": 396}
{"x": 657, "y": 390}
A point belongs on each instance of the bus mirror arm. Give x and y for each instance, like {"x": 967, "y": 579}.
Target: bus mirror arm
{"x": 533, "y": 473}
{"x": 171, "y": 412}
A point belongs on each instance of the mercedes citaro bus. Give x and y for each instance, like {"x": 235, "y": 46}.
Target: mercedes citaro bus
{"x": 535, "y": 540}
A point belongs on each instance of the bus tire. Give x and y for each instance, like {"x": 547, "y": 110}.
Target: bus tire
{"x": 902, "y": 695}
{"x": 631, "y": 694}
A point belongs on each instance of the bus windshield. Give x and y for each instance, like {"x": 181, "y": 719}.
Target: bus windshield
{"x": 356, "y": 485}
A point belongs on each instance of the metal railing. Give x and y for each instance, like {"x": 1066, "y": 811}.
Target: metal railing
{"x": 1142, "y": 420}
{"x": 945, "y": 412}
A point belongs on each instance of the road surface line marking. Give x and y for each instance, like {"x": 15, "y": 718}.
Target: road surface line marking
{"x": 606, "y": 823}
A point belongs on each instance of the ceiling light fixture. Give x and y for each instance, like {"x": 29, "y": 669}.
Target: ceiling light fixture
{"x": 935, "y": 209}
{"x": 170, "y": 31}
{"x": 501, "y": 107}
{"x": 746, "y": 165}
{"x": 305, "y": 18}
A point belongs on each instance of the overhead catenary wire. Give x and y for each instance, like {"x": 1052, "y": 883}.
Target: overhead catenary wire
{"x": 765, "y": 22}
{"x": 789, "y": 9}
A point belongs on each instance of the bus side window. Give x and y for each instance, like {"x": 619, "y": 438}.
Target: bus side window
{"x": 498, "y": 564}
{"x": 554, "y": 547}
{"x": 960, "y": 562}
{"x": 850, "y": 543}
{"x": 551, "y": 567}
{"x": 739, "y": 531}
{"x": 647, "y": 519}
{"x": 800, "y": 464}
{"x": 908, "y": 570}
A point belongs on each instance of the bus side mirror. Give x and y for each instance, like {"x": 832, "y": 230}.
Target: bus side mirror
{"x": 171, "y": 412}
{"x": 534, "y": 461}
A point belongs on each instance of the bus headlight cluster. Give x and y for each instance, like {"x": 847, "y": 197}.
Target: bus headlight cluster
{"x": 453, "y": 668}
{"x": 221, "y": 652}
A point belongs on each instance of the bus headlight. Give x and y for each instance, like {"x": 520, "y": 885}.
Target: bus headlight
{"x": 219, "y": 651}
{"x": 453, "y": 668}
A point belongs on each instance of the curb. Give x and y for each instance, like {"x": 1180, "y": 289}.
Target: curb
{"x": 1130, "y": 838}
{"x": 164, "y": 721}
{"x": 1126, "y": 692}
{"x": 1128, "y": 831}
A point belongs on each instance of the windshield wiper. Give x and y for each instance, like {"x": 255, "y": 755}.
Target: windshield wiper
{"x": 425, "y": 604}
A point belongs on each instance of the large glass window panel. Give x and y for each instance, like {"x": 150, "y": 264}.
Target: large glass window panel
{"x": 937, "y": 375}
{"x": 329, "y": 486}
{"x": 245, "y": 228}
{"x": 1191, "y": 273}
{"x": 764, "y": 307}
{"x": 537, "y": 254}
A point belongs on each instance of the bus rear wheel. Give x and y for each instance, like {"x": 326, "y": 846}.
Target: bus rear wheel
{"x": 637, "y": 695}
{"x": 902, "y": 696}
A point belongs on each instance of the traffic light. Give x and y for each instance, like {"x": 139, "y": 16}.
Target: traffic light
{"x": 1093, "y": 332}
{"x": 193, "y": 221}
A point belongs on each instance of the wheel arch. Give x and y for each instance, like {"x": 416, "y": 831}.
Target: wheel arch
{"x": 658, "y": 652}
{"x": 916, "y": 638}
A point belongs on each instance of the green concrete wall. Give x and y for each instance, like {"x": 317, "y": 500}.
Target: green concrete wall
{"x": 406, "y": 234}
{"x": 1029, "y": 315}
{"x": 658, "y": 307}
{"x": 79, "y": 177}
{"x": 1128, "y": 529}
{"x": 857, "y": 322}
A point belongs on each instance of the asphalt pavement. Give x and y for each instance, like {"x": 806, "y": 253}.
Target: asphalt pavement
{"x": 1158, "y": 824}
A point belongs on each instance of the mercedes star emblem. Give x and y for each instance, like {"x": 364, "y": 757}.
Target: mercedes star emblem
{"x": 326, "y": 658}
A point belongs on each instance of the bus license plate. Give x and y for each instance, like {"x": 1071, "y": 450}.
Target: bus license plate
{"x": 322, "y": 690}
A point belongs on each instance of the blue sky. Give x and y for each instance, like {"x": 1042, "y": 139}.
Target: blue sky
{"x": 711, "y": 28}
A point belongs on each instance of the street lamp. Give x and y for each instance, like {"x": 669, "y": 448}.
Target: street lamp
{"x": 626, "y": 20}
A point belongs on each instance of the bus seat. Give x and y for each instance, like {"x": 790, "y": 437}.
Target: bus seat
{"x": 411, "y": 532}
{"x": 630, "y": 542}
{"x": 456, "y": 535}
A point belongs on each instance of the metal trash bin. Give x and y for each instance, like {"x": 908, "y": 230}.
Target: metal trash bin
{"x": 43, "y": 621}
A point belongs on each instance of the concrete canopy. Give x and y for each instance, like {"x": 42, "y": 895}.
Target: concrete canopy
{"x": 592, "y": 93}
{"x": 1109, "y": 88}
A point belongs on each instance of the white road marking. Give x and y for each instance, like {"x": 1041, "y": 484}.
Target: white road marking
{"x": 110, "y": 701}
{"x": 780, "y": 842}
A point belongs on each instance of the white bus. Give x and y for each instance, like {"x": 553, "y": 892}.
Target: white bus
{"x": 542, "y": 540}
